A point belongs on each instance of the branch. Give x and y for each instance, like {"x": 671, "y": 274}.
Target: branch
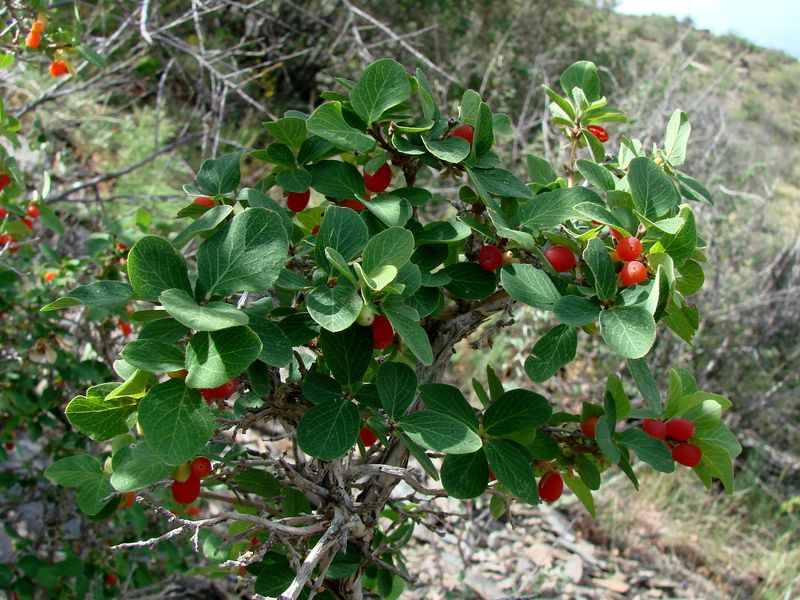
{"x": 401, "y": 473}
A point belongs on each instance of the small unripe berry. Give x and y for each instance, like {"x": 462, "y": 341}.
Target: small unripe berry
{"x": 58, "y": 68}
{"x": 379, "y": 180}
{"x": 687, "y": 455}
{"x": 204, "y": 201}
{"x": 629, "y": 248}
{"x": 354, "y": 204}
{"x": 367, "y": 436}
{"x": 465, "y": 132}
{"x": 180, "y": 374}
{"x": 680, "y": 429}
{"x": 38, "y": 26}
{"x": 366, "y": 317}
{"x": 186, "y": 492}
{"x": 598, "y": 132}
{"x": 550, "y": 487}
{"x": 201, "y": 467}
{"x": 655, "y": 428}
{"x": 182, "y": 472}
{"x": 490, "y": 258}
{"x": 560, "y": 258}
{"x": 33, "y": 40}
{"x": 632, "y": 273}
{"x": 297, "y": 201}
{"x": 588, "y": 427}
{"x": 508, "y": 256}
{"x": 382, "y": 332}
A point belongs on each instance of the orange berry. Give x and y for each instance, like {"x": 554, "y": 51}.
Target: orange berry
{"x": 58, "y": 68}
{"x": 33, "y": 40}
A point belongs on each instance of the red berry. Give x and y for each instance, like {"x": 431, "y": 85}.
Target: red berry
{"x": 655, "y": 428}
{"x": 598, "y": 132}
{"x": 128, "y": 500}
{"x": 37, "y": 26}
{"x": 297, "y": 201}
{"x": 367, "y": 436}
{"x": 4, "y": 181}
{"x": 680, "y": 430}
{"x": 379, "y": 180}
{"x": 560, "y": 258}
{"x": 354, "y": 204}
{"x": 382, "y": 332}
{"x": 9, "y": 445}
{"x": 205, "y": 201}
{"x": 33, "y": 211}
{"x": 193, "y": 511}
{"x": 491, "y": 475}
{"x": 254, "y": 541}
{"x": 186, "y": 492}
{"x": 616, "y": 234}
{"x": 49, "y": 276}
{"x": 550, "y": 487}
{"x": 242, "y": 570}
{"x": 121, "y": 247}
{"x": 315, "y": 230}
{"x": 588, "y": 427}
{"x": 125, "y": 328}
{"x": 490, "y": 258}
{"x": 3, "y": 213}
{"x": 58, "y": 68}
{"x": 629, "y": 248}
{"x": 201, "y": 467}
{"x": 632, "y": 273}
{"x": 111, "y": 579}
{"x": 687, "y": 455}
{"x": 33, "y": 40}
{"x": 28, "y": 223}
{"x": 222, "y": 392}
{"x": 465, "y": 132}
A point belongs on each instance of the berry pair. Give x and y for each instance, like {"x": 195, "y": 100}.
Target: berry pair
{"x": 678, "y": 432}
{"x": 186, "y": 485}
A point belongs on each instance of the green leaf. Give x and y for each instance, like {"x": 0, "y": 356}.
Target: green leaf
{"x": 176, "y": 421}
{"x": 393, "y": 246}
{"x": 646, "y": 383}
{"x": 439, "y": 432}
{"x": 208, "y": 221}
{"x": 419, "y": 453}
{"x": 588, "y": 471}
{"x": 397, "y": 387}
{"x": 383, "y": 85}
{"x": 691, "y": 189}
{"x": 328, "y": 122}
{"x": 259, "y": 482}
{"x": 98, "y": 418}
{"x": 344, "y": 231}
{"x": 529, "y": 285}
{"x": 540, "y": 171}
{"x": 220, "y": 175}
{"x": 85, "y": 473}
{"x": 209, "y": 317}
{"x": 628, "y": 330}
{"x": 553, "y": 351}
{"x": 392, "y": 210}
{"x": 318, "y": 388}
{"x": 153, "y": 355}
{"x": 289, "y": 130}
{"x": 450, "y": 150}
{"x": 246, "y": 255}
{"x": 511, "y": 465}
{"x": 100, "y": 294}
{"x": 465, "y": 475}
{"x": 275, "y": 575}
{"x": 653, "y": 193}
{"x": 718, "y": 434}
{"x": 140, "y": 468}
{"x": 615, "y": 392}
{"x": 597, "y": 175}
{"x": 347, "y": 353}
{"x": 135, "y": 386}
{"x": 717, "y": 462}
{"x": 649, "y": 449}
{"x": 329, "y": 429}
{"x": 213, "y": 358}
{"x": 603, "y": 436}
{"x": 469, "y": 281}
{"x": 550, "y": 209}
{"x": 294, "y": 180}
{"x": 92, "y": 57}
{"x": 681, "y": 245}
{"x": 576, "y": 310}
{"x": 515, "y": 411}
{"x": 405, "y": 323}
{"x": 691, "y": 278}
{"x": 583, "y": 75}
{"x": 678, "y": 130}
{"x": 154, "y": 266}
{"x": 500, "y": 182}
{"x": 448, "y": 400}
{"x": 256, "y": 199}
{"x": 581, "y": 491}
{"x": 599, "y": 262}
{"x": 334, "y": 308}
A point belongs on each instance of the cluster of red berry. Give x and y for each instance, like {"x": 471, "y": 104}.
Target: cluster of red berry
{"x": 676, "y": 433}
{"x": 32, "y": 211}
{"x": 186, "y": 479}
